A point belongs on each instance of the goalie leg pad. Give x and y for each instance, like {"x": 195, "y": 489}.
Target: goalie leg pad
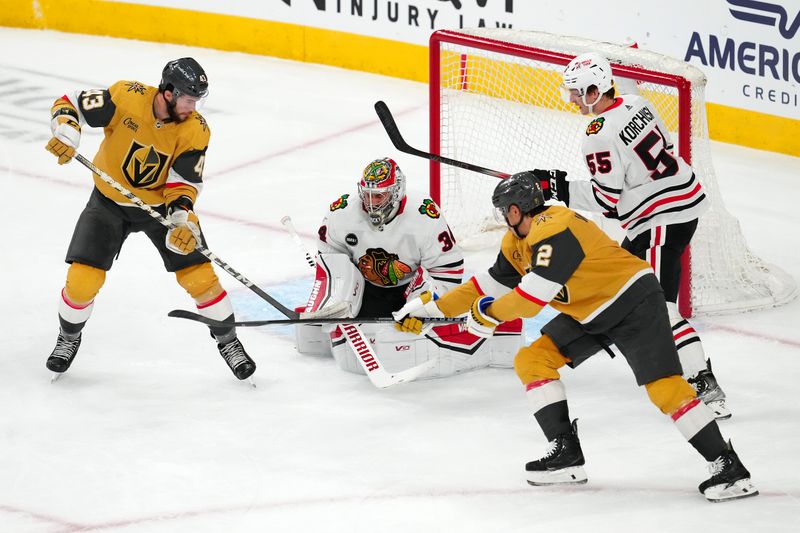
{"x": 200, "y": 281}
{"x": 83, "y": 283}
{"x": 670, "y": 393}
{"x": 541, "y": 360}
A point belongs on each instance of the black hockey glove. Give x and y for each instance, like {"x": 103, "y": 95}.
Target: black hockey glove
{"x": 554, "y": 184}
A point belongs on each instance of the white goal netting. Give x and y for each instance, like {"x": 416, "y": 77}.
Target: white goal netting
{"x": 495, "y": 102}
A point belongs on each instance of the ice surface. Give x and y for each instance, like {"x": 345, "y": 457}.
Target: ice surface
{"x": 150, "y": 432}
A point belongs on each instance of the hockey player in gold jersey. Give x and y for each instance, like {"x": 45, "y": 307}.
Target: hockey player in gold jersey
{"x": 606, "y": 296}
{"x": 154, "y": 144}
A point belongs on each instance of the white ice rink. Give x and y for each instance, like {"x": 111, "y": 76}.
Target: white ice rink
{"x": 150, "y": 432}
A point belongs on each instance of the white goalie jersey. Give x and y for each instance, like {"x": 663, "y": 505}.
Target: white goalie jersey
{"x": 417, "y": 237}
{"x": 636, "y": 177}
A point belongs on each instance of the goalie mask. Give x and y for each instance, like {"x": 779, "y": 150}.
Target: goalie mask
{"x": 382, "y": 189}
{"x": 584, "y": 71}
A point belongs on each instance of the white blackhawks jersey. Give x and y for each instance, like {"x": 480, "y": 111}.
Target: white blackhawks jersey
{"x": 636, "y": 176}
{"x": 417, "y": 237}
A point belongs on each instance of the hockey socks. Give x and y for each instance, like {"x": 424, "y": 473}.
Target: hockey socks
{"x": 548, "y": 401}
{"x": 73, "y": 316}
{"x": 696, "y": 423}
{"x": 219, "y": 308}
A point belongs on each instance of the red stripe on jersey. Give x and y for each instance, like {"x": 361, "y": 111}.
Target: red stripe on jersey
{"x": 685, "y": 409}
{"x": 655, "y": 249}
{"x": 663, "y": 201}
{"x": 65, "y": 97}
{"x": 535, "y": 384}
{"x": 74, "y": 305}
{"x": 604, "y": 195}
{"x": 475, "y": 282}
{"x": 530, "y": 297}
{"x": 212, "y": 302}
{"x": 683, "y": 333}
{"x": 437, "y": 271}
{"x": 175, "y": 184}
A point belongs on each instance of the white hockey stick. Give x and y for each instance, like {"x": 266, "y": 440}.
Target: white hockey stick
{"x": 364, "y": 353}
{"x": 287, "y": 223}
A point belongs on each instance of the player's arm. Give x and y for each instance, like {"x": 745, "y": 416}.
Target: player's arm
{"x": 93, "y": 107}
{"x": 441, "y": 257}
{"x": 554, "y": 261}
{"x": 184, "y": 184}
{"x": 602, "y": 192}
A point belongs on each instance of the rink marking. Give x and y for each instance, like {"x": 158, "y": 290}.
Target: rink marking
{"x": 621, "y": 491}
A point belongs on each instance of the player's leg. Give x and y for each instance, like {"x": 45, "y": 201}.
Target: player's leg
{"x": 645, "y": 339}
{"x": 537, "y": 367}
{"x": 196, "y": 275}
{"x": 662, "y": 247}
{"x": 97, "y": 238}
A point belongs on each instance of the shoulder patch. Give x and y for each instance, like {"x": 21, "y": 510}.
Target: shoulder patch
{"x": 341, "y": 203}
{"x": 135, "y": 87}
{"x": 595, "y": 126}
{"x": 429, "y": 208}
{"x": 201, "y": 120}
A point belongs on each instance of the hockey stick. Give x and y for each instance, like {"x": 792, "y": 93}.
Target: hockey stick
{"x": 189, "y": 315}
{"x": 393, "y": 131}
{"x": 200, "y": 248}
{"x": 361, "y": 346}
{"x": 287, "y": 223}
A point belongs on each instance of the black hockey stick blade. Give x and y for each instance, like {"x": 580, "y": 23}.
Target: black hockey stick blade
{"x": 393, "y": 131}
{"x": 188, "y": 315}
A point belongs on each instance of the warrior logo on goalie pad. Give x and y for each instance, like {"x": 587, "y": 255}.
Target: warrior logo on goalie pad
{"x": 382, "y": 268}
{"x": 143, "y": 165}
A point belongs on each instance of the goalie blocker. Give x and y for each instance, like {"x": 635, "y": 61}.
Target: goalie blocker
{"x": 338, "y": 291}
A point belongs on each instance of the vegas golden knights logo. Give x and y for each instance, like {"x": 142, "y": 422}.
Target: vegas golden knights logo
{"x": 143, "y": 165}
{"x": 562, "y": 296}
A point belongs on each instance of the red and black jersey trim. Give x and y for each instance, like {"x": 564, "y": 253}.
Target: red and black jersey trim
{"x": 449, "y": 273}
{"x": 679, "y": 197}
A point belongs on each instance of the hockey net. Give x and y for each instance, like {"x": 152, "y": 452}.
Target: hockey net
{"x": 495, "y": 102}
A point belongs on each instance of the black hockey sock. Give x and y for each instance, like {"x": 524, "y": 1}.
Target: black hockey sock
{"x": 554, "y": 419}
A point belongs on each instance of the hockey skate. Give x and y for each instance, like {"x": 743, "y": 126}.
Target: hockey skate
{"x": 729, "y": 479}
{"x": 710, "y": 393}
{"x": 563, "y": 462}
{"x": 239, "y": 362}
{"x": 64, "y": 352}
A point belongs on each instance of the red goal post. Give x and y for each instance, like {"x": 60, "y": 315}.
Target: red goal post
{"x": 495, "y": 102}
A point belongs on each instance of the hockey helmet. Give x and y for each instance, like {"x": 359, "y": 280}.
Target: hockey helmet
{"x": 381, "y": 190}
{"x": 184, "y": 76}
{"x": 584, "y": 71}
{"x": 522, "y": 189}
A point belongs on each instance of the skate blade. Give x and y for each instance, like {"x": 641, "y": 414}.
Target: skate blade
{"x": 743, "y": 488}
{"x": 719, "y": 409}
{"x": 250, "y": 381}
{"x": 571, "y": 475}
{"x": 55, "y": 377}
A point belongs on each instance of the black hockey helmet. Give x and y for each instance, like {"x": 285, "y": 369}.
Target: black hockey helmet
{"x": 522, "y": 189}
{"x": 184, "y": 76}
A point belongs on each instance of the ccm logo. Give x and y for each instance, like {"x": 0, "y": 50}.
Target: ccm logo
{"x": 402, "y": 347}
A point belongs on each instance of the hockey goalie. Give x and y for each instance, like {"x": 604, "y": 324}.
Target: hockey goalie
{"x": 377, "y": 251}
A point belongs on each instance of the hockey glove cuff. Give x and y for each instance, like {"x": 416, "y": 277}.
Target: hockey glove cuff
{"x": 554, "y": 184}
{"x": 479, "y": 322}
{"x": 66, "y": 136}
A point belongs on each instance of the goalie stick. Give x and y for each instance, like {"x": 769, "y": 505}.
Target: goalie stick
{"x": 189, "y": 315}
{"x": 200, "y": 248}
{"x": 393, "y": 131}
{"x": 360, "y": 345}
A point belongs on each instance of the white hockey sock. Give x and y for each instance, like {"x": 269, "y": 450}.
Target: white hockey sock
{"x": 545, "y": 392}
{"x": 72, "y": 312}
{"x": 219, "y": 308}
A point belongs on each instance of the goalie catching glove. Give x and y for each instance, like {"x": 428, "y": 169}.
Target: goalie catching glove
{"x": 66, "y": 128}
{"x": 479, "y": 322}
{"x": 554, "y": 184}
{"x": 408, "y": 316}
{"x": 185, "y": 236}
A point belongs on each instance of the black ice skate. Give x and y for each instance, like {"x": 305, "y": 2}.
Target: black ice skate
{"x": 237, "y": 359}
{"x": 563, "y": 462}
{"x": 710, "y": 393}
{"x": 64, "y": 352}
{"x": 729, "y": 479}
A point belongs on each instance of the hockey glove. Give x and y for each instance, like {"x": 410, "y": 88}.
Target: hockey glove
{"x": 554, "y": 184}
{"x": 66, "y": 137}
{"x": 185, "y": 236}
{"x": 408, "y": 316}
{"x": 479, "y": 322}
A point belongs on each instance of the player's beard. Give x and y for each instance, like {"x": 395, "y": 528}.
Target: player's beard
{"x": 173, "y": 115}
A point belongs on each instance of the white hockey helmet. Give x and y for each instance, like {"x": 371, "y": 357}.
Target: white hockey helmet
{"x": 586, "y": 70}
{"x": 381, "y": 190}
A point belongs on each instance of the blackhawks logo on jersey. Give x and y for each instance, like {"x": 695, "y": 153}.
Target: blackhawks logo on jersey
{"x": 595, "y": 126}
{"x": 340, "y": 203}
{"x": 143, "y": 165}
{"x": 429, "y": 208}
{"x": 382, "y": 268}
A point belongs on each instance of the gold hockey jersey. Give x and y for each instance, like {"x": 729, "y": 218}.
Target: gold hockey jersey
{"x": 159, "y": 161}
{"x": 566, "y": 261}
